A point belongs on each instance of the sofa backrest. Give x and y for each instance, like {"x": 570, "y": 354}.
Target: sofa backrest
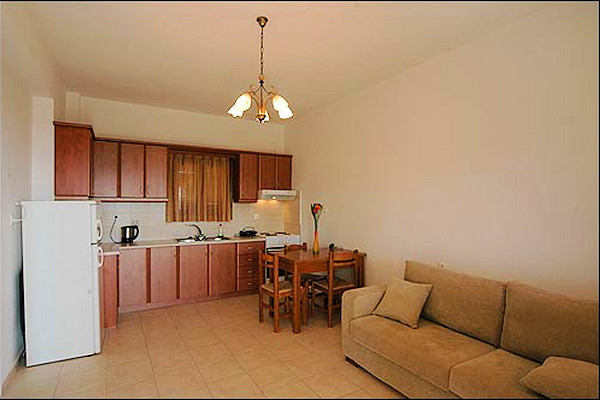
{"x": 539, "y": 324}
{"x": 468, "y": 304}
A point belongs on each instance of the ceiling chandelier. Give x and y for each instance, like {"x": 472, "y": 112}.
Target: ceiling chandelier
{"x": 259, "y": 94}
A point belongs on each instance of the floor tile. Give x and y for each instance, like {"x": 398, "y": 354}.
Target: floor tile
{"x": 380, "y": 390}
{"x": 183, "y": 380}
{"x": 34, "y": 388}
{"x": 224, "y": 368}
{"x": 90, "y": 380}
{"x": 272, "y": 374}
{"x": 129, "y": 373}
{"x": 289, "y": 390}
{"x": 359, "y": 394}
{"x": 239, "y": 386}
{"x": 359, "y": 376}
{"x": 140, "y": 390}
{"x": 254, "y": 357}
{"x": 304, "y": 367}
{"x": 330, "y": 385}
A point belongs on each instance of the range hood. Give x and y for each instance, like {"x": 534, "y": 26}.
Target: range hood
{"x": 269, "y": 194}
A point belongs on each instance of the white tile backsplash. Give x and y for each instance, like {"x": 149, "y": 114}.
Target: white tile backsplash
{"x": 151, "y": 218}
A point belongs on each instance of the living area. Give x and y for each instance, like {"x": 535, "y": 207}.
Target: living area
{"x": 446, "y": 154}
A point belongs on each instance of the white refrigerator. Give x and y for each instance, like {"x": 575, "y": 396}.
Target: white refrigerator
{"x": 61, "y": 261}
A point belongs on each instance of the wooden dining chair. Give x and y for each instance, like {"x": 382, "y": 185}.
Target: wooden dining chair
{"x": 306, "y": 280}
{"x": 292, "y": 247}
{"x": 279, "y": 294}
{"x": 332, "y": 288}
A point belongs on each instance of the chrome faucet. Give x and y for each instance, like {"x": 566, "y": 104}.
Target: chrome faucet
{"x": 199, "y": 235}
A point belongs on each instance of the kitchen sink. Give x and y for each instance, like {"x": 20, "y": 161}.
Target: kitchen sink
{"x": 188, "y": 240}
{"x": 218, "y": 238}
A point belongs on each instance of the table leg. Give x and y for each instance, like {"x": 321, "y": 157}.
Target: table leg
{"x": 296, "y": 293}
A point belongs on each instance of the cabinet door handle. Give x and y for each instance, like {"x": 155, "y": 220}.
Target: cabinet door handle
{"x": 250, "y": 259}
{"x": 249, "y": 271}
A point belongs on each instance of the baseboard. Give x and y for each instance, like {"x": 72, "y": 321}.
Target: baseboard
{"x": 12, "y": 371}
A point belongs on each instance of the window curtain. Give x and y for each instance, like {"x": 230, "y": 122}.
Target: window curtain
{"x": 199, "y": 188}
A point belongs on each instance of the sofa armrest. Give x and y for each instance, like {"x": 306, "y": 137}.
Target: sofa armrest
{"x": 359, "y": 302}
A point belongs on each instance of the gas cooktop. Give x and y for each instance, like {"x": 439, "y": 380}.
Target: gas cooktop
{"x": 274, "y": 233}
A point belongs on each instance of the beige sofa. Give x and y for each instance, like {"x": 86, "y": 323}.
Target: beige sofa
{"x": 476, "y": 337}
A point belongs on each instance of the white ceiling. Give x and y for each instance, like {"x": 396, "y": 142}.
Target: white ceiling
{"x": 201, "y": 55}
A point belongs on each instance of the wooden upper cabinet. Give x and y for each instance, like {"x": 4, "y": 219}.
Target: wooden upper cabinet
{"x": 284, "y": 172}
{"x": 105, "y": 169}
{"x": 267, "y": 172}
{"x": 245, "y": 188}
{"x": 193, "y": 272}
{"x": 132, "y": 170}
{"x": 156, "y": 172}
{"x": 223, "y": 268}
{"x": 72, "y": 160}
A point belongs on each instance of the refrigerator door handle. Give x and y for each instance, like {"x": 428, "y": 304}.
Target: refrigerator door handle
{"x": 99, "y": 230}
{"x": 100, "y": 257}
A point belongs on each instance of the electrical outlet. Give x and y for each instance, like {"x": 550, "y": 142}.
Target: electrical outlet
{"x": 255, "y": 216}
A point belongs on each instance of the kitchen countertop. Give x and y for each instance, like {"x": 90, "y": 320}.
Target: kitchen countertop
{"x": 114, "y": 248}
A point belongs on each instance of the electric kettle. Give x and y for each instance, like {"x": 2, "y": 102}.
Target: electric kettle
{"x": 129, "y": 233}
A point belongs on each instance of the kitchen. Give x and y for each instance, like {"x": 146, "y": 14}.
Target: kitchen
{"x": 146, "y": 262}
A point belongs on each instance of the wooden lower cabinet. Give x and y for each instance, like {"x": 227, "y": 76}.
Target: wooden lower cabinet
{"x": 222, "y": 268}
{"x": 163, "y": 274}
{"x": 132, "y": 278}
{"x": 109, "y": 291}
{"x": 160, "y": 276}
{"x": 248, "y": 260}
{"x": 193, "y": 272}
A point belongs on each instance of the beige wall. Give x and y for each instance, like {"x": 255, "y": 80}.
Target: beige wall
{"x": 484, "y": 157}
{"x": 135, "y": 121}
{"x": 32, "y": 96}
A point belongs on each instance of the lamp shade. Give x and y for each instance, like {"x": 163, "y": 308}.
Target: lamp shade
{"x": 285, "y": 113}
{"x": 241, "y": 104}
{"x": 279, "y": 102}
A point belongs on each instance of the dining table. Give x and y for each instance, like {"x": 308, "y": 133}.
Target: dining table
{"x": 299, "y": 262}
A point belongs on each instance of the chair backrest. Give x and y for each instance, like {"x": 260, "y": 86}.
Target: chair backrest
{"x": 338, "y": 259}
{"x": 270, "y": 263}
{"x": 292, "y": 247}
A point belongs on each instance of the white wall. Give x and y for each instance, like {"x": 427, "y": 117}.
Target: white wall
{"x": 42, "y": 148}
{"x": 484, "y": 157}
{"x": 26, "y": 71}
{"x": 140, "y": 122}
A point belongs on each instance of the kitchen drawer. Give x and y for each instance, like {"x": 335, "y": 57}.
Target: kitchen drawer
{"x": 245, "y": 260}
{"x": 247, "y": 284}
{"x": 247, "y": 272}
{"x": 251, "y": 247}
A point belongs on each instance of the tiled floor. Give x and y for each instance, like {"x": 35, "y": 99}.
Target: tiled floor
{"x": 205, "y": 350}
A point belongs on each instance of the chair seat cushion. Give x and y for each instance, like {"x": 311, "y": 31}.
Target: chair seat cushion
{"x": 429, "y": 351}
{"x": 338, "y": 284}
{"x": 284, "y": 287}
{"x": 493, "y": 375}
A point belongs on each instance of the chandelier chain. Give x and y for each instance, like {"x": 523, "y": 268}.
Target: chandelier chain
{"x": 262, "y": 51}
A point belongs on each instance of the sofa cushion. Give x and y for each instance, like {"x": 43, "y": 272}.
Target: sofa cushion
{"x": 493, "y": 375}
{"x": 403, "y": 301}
{"x": 564, "y": 378}
{"x": 468, "y": 304}
{"x": 429, "y": 351}
{"x": 539, "y": 324}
